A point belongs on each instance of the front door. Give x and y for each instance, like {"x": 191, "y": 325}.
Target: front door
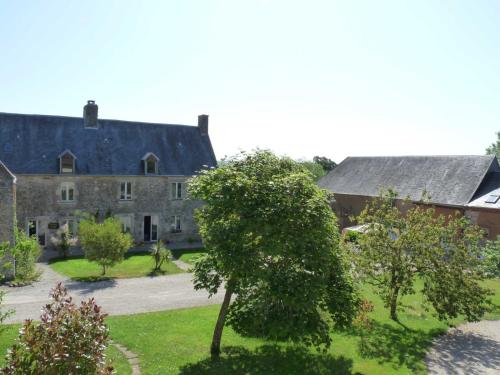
{"x": 150, "y": 228}
{"x": 147, "y": 228}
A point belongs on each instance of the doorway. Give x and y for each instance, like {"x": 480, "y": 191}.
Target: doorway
{"x": 150, "y": 228}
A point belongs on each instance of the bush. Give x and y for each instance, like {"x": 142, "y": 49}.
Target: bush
{"x": 104, "y": 243}
{"x": 160, "y": 255}
{"x": 26, "y": 251}
{"x": 69, "y": 340}
{"x": 491, "y": 258}
{"x": 63, "y": 240}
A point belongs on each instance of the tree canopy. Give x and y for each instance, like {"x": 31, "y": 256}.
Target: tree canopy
{"x": 398, "y": 248}
{"x": 104, "y": 243}
{"x": 494, "y": 148}
{"x": 272, "y": 238}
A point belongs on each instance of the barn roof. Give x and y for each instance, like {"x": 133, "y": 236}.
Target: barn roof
{"x": 449, "y": 180}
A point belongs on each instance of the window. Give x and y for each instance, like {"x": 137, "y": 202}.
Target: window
{"x": 67, "y": 192}
{"x": 176, "y": 224}
{"x": 72, "y": 226}
{"x": 126, "y": 223}
{"x": 150, "y": 163}
{"x": 125, "y": 191}
{"x": 67, "y": 162}
{"x": 176, "y": 190}
{"x": 493, "y": 198}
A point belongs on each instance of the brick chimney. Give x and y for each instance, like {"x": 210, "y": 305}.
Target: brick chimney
{"x": 90, "y": 114}
{"x": 203, "y": 124}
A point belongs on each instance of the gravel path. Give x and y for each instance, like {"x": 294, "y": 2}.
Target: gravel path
{"x": 117, "y": 297}
{"x": 470, "y": 349}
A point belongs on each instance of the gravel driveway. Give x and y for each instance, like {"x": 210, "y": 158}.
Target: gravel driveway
{"x": 117, "y": 297}
{"x": 470, "y": 349}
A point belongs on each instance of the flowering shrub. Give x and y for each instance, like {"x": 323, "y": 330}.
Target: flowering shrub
{"x": 63, "y": 240}
{"x": 68, "y": 340}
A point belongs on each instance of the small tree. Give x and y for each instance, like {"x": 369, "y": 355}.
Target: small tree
{"x": 160, "y": 255}
{"x": 68, "y": 340}
{"x": 63, "y": 240}
{"x": 272, "y": 238}
{"x": 494, "y": 148}
{"x": 25, "y": 252}
{"x": 104, "y": 243}
{"x": 396, "y": 249}
{"x": 325, "y": 162}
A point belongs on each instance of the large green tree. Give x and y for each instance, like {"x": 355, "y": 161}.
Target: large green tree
{"x": 494, "y": 148}
{"x": 272, "y": 239}
{"x": 398, "y": 248}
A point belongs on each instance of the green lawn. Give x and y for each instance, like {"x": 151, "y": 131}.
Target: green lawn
{"x": 174, "y": 342}
{"x": 138, "y": 265}
{"x": 114, "y": 356}
{"x": 188, "y": 255}
{"x": 177, "y": 342}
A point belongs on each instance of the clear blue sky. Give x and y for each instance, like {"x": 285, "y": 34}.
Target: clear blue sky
{"x": 302, "y": 78}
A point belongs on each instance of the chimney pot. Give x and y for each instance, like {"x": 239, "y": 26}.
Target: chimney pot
{"x": 203, "y": 124}
{"x": 90, "y": 114}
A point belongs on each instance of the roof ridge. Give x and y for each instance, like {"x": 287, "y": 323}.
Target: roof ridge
{"x": 99, "y": 119}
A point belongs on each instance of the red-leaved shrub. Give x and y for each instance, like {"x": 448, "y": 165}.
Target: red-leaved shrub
{"x": 68, "y": 340}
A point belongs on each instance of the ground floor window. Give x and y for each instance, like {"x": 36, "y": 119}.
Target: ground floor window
{"x": 126, "y": 221}
{"x": 176, "y": 226}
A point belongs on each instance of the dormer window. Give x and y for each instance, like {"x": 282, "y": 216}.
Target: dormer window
{"x": 150, "y": 163}
{"x": 67, "y": 162}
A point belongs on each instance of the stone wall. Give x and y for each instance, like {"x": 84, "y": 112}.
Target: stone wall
{"x": 39, "y": 198}
{"x": 7, "y": 206}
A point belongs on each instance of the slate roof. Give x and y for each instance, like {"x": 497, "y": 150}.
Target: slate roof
{"x": 450, "y": 180}
{"x": 31, "y": 144}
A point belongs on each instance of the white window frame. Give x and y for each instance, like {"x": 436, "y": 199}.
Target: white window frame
{"x": 37, "y": 226}
{"x": 176, "y": 226}
{"x": 66, "y": 187}
{"x": 125, "y": 191}
{"x": 72, "y": 225}
{"x": 73, "y": 160}
{"x": 127, "y": 223}
{"x": 176, "y": 190}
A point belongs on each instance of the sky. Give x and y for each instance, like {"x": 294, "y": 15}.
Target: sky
{"x": 301, "y": 78}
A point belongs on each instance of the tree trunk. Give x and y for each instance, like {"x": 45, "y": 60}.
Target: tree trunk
{"x": 215, "y": 348}
{"x": 394, "y": 304}
{"x": 103, "y": 269}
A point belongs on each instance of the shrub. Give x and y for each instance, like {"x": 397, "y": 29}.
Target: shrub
{"x": 160, "y": 255}
{"x": 26, "y": 251}
{"x": 68, "y": 340}
{"x": 104, "y": 243}
{"x": 491, "y": 258}
{"x": 63, "y": 240}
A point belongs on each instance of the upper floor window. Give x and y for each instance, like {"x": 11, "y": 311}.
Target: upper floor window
{"x": 150, "y": 163}
{"x": 67, "y": 162}
{"x": 67, "y": 192}
{"x": 176, "y": 190}
{"x": 125, "y": 191}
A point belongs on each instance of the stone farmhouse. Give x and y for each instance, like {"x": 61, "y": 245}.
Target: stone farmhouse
{"x": 468, "y": 184}
{"x": 51, "y": 167}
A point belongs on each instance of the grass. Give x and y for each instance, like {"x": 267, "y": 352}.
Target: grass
{"x": 136, "y": 265}
{"x": 10, "y": 332}
{"x": 173, "y": 342}
{"x": 188, "y": 255}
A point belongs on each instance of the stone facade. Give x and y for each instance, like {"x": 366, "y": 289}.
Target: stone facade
{"x": 41, "y": 205}
{"x": 7, "y": 205}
